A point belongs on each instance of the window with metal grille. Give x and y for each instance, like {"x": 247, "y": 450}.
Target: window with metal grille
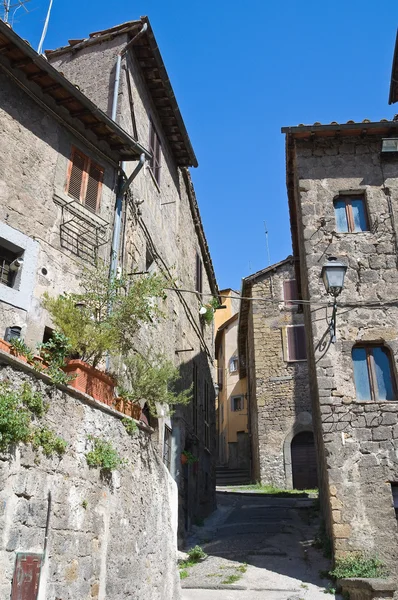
{"x": 207, "y": 415}
{"x": 199, "y": 274}
{"x": 7, "y": 274}
{"x": 84, "y": 180}
{"x": 351, "y": 215}
{"x": 290, "y": 292}
{"x": 167, "y": 447}
{"x": 373, "y": 373}
{"x": 155, "y": 150}
{"x": 296, "y": 346}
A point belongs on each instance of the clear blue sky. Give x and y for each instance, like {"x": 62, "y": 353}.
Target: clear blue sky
{"x": 240, "y": 71}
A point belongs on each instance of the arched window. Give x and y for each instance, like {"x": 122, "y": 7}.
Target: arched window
{"x": 373, "y": 373}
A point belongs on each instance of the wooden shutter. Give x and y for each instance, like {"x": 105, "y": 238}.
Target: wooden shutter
{"x": 296, "y": 343}
{"x": 76, "y": 175}
{"x": 290, "y": 291}
{"x": 94, "y": 184}
{"x": 25, "y": 583}
{"x": 199, "y": 274}
{"x": 155, "y": 148}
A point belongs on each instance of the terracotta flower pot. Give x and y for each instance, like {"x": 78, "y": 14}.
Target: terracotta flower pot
{"x": 91, "y": 381}
{"x": 184, "y": 459}
{"x": 119, "y": 404}
{"x": 5, "y": 346}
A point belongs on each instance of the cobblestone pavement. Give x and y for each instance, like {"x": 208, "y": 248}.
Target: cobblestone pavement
{"x": 258, "y": 548}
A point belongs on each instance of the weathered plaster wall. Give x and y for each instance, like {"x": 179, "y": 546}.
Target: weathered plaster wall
{"x": 34, "y": 155}
{"x": 281, "y": 404}
{"x": 123, "y": 544}
{"x": 358, "y": 439}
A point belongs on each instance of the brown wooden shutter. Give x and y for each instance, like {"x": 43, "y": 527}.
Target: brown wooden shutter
{"x": 199, "y": 275}
{"x": 296, "y": 343}
{"x": 95, "y": 175}
{"x": 290, "y": 291}
{"x": 76, "y": 175}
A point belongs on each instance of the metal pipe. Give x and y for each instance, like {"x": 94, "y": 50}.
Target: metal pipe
{"x": 134, "y": 39}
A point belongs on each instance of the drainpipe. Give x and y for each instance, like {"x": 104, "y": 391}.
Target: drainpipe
{"x": 122, "y": 184}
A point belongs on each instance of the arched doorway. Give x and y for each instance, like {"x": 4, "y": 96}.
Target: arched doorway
{"x": 304, "y": 461}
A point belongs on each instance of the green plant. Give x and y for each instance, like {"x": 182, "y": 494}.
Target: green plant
{"x": 191, "y": 458}
{"x": 48, "y": 441}
{"x": 103, "y": 455}
{"x": 242, "y": 568}
{"x": 196, "y": 554}
{"x": 322, "y": 542}
{"x": 358, "y": 564}
{"x": 183, "y": 574}
{"x": 20, "y": 347}
{"x": 33, "y": 401}
{"x": 329, "y": 590}
{"x": 58, "y": 376}
{"x": 15, "y": 419}
{"x": 105, "y": 316}
{"x": 84, "y": 504}
{"x": 211, "y": 307}
{"x": 130, "y": 426}
{"x": 56, "y": 350}
{"x": 154, "y": 379}
{"x": 231, "y": 579}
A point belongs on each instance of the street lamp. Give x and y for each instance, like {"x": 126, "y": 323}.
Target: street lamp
{"x": 333, "y": 273}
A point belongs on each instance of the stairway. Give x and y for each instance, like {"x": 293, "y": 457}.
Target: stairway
{"x": 228, "y": 477}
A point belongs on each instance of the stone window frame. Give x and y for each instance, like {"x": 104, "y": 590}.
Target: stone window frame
{"x": 367, "y": 345}
{"x": 240, "y": 397}
{"x": 359, "y": 193}
{"x": 346, "y": 353}
{"x": 20, "y": 294}
{"x": 285, "y": 340}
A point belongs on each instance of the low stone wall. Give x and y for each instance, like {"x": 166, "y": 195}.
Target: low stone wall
{"x": 112, "y": 539}
{"x": 368, "y": 589}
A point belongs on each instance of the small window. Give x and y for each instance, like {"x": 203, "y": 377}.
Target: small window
{"x": 296, "y": 346}
{"x": 373, "y": 374}
{"x": 220, "y": 377}
{"x": 155, "y": 150}
{"x": 351, "y": 214}
{"x": 233, "y": 364}
{"x": 84, "y": 181}
{"x": 167, "y": 447}
{"x": 199, "y": 274}
{"x": 237, "y": 403}
{"x": 290, "y": 292}
{"x": 207, "y": 415}
{"x": 394, "y": 490}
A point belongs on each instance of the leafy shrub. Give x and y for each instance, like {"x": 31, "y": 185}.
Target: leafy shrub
{"x": 48, "y": 441}
{"x": 103, "y": 455}
{"x": 18, "y": 346}
{"x": 33, "y": 401}
{"x": 56, "y": 350}
{"x": 91, "y": 327}
{"x": 211, "y": 307}
{"x": 154, "y": 380}
{"x": 15, "y": 419}
{"x": 196, "y": 554}
{"x": 357, "y": 564}
{"x": 130, "y": 426}
{"x": 191, "y": 458}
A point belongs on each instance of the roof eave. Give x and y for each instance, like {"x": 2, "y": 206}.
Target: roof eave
{"x": 393, "y": 97}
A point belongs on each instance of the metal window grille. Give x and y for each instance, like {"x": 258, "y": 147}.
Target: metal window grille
{"x": 6, "y": 275}
{"x": 84, "y": 180}
{"x": 167, "y": 447}
{"x": 155, "y": 149}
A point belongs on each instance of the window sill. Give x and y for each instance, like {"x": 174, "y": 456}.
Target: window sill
{"x": 295, "y": 361}
{"x": 76, "y": 208}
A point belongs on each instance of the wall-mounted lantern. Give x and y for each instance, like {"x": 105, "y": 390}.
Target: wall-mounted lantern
{"x": 333, "y": 273}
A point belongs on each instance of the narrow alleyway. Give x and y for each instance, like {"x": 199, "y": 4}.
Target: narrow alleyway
{"x": 258, "y": 547}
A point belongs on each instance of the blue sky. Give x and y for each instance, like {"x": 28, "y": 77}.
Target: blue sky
{"x": 241, "y": 71}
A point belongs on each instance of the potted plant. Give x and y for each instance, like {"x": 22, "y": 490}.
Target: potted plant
{"x": 187, "y": 458}
{"x": 101, "y": 321}
{"x": 126, "y": 404}
{"x": 207, "y": 311}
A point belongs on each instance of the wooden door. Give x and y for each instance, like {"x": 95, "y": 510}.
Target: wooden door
{"x": 304, "y": 461}
{"x": 25, "y": 583}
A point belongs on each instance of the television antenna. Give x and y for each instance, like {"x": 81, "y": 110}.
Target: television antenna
{"x": 43, "y": 35}
{"x": 8, "y": 7}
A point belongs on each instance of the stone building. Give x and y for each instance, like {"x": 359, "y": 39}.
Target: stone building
{"x": 232, "y": 411}
{"x": 272, "y": 355}
{"x": 342, "y": 187}
{"x": 68, "y": 134}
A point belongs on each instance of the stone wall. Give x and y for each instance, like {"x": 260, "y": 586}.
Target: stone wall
{"x": 108, "y": 538}
{"x": 279, "y": 389}
{"x": 357, "y": 440}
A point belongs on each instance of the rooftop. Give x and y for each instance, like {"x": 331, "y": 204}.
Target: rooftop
{"x": 39, "y": 79}
{"x": 157, "y": 80}
{"x": 350, "y": 128}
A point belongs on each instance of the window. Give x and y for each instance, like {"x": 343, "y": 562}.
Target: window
{"x": 199, "y": 274}
{"x": 167, "y": 447}
{"x": 351, "y": 214}
{"x": 373, "y": 374}
{"x": 155, "y": 150}
{"x": 290, "y": 292}
{"x": 233, "y": 364}
{"x": 394, "y": 490}
{"x": 207, "y": 415}
{"x": 220, "y": 377}
{"x": 237, "y": 403}
{"x": 296, "y": 348}
{"x": 195, "y": 398}
{"x": 84, "y": 181}
{"x": 10, "y": 265}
